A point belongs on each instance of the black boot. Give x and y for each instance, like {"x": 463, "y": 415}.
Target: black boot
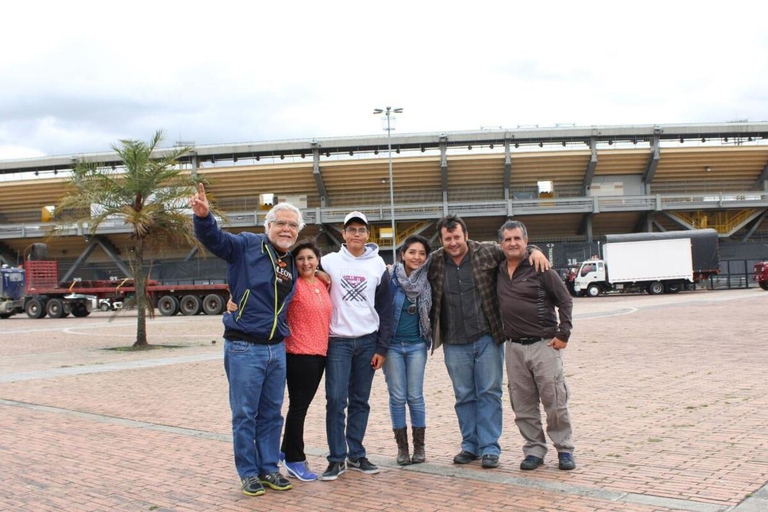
{"x": 418, "y": 445}
{"x": 401, "y": 436}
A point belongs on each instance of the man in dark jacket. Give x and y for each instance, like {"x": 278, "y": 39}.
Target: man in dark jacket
{"x": 260, "y": 273}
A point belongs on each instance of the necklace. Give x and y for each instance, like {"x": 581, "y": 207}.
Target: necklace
{"x": 280, "y": 262}
{"x": 312, "y": 284}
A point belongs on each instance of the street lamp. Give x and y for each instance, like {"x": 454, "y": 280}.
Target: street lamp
{"x": 388, "y": 113}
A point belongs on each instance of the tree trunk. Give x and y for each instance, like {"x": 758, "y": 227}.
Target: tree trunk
{"x": 140, "y": 282}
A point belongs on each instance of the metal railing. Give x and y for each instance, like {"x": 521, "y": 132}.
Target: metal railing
{"x": 402, "y": 235}
{"x": 435, "y": 210}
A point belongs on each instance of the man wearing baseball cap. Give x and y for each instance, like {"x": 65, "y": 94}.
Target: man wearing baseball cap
{"x": 361, "y": 326}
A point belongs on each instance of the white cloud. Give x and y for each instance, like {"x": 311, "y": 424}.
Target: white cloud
{"x": 8, "y": 152}
{"x": 76, "y": 76}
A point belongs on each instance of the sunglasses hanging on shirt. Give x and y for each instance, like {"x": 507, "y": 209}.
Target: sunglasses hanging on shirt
{"x": 411, "y": 307}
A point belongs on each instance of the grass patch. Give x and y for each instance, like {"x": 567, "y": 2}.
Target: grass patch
{"x": 654, "y": 440}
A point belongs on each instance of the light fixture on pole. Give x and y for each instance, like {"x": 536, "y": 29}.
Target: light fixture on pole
{"x": 388, "y": 113}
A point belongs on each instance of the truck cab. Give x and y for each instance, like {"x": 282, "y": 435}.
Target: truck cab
{"x": 761, "y": 274}
{"x": 12, "y": 289}
{"x": 590, "y": 274}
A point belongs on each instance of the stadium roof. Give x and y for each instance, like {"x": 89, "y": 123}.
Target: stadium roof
{"x": 723, "y": 133}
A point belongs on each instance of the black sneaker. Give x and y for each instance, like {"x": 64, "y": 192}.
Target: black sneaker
{"x": 275, "y": 481}
{"x": 566, "y": 461}
{"x": 464, "y": 457}
{"x": 333, "y": 471}
{"x": 252, "y": 486}
{"x": 531, "y": 462}
{"x": 363, "y": 465}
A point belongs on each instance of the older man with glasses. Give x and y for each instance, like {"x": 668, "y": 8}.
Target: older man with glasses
{"x": 361, "y": 327}
{"x": 260, "y": 273}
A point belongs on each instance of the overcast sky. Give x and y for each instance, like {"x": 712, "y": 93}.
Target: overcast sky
{"x": 76, "y": 76}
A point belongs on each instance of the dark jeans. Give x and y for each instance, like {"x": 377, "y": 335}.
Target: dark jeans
{"x": 304, "y": 373}
{"x": 348, "y": 380}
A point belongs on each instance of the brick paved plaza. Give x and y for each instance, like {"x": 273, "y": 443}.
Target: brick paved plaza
{"x": 668, "y": 398}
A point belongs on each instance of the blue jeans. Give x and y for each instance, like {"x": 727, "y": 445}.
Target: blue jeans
{"x": 404, "y": 370}
{"x": 348, "y": 379}
{"x": 476, "y": 371}
{"x": 256, "y": 375}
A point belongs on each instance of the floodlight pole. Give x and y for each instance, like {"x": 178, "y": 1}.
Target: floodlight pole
{"x": 388, "y": 112}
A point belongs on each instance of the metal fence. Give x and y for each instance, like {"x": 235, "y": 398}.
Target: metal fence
{"x": 734, "y": 274}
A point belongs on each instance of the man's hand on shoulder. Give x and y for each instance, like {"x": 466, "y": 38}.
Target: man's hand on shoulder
{"x": 324, "y": 277}
{"x": 539, "y": 261}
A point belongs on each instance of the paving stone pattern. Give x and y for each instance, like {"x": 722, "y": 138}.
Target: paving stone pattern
{"x": 668, "y": 398}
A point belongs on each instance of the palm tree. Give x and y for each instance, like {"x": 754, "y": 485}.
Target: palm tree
{"x": 150, "y": 194}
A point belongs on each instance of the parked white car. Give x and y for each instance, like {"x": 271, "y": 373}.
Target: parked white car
{"x": 110, "y": 305}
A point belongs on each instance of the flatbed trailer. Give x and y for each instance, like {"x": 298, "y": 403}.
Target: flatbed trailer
{"x": 45, "y": 296}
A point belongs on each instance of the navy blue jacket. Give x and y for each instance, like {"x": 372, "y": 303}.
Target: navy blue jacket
{"x": 252, "y": 281}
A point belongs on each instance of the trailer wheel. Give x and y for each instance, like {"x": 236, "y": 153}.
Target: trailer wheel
{"x": 168, "y": 305}
{"x": 764, "y": 285}
{"x": 80, "y": 311}
{"x": 674, "y": 287}
{"x": 190, "y": 305}
{"x": 656, "y": 288}
{"x": 55, "y": 308}
{"x": 213, "y": 304}
{"x": 104, "y": 307}
{"x": 35, "y": 308}
{"x": 593, "y": 290}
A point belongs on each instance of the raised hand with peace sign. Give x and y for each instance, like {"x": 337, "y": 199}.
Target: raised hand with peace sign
{"x": 199, "y": 203}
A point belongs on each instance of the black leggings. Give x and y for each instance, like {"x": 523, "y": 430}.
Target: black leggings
{"x": 303, "y": 373}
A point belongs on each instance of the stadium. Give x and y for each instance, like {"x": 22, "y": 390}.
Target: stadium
{"x": 570, "y": 185}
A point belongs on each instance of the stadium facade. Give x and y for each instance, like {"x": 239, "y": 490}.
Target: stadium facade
{"x": 569, "y": 185}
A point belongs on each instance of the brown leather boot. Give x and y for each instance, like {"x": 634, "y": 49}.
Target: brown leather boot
{"x": 418, "y": 445}
{"x": 401, "y": 436}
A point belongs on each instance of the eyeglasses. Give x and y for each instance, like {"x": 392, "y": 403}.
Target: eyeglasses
{"x": 411, "y": 307}
{"x": 356, "y": 231}
{"x": 282, "y": 223}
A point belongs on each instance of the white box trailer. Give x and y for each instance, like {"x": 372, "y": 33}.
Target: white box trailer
{"x": 654, "y": 265}
{"x": 653, "y": 260}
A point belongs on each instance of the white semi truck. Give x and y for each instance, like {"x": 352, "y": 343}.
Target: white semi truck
{"x": 653, "y": 262}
